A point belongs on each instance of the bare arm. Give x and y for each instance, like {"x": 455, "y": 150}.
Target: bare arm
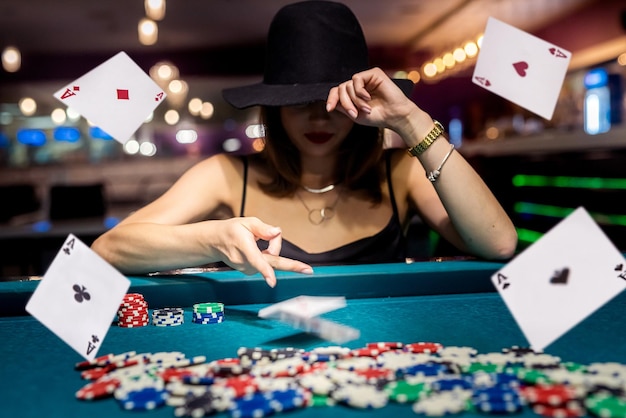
{"x": 170, "y": 233}
{"x": 460, "y": 206}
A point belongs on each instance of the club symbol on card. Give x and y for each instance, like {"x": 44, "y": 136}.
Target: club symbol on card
{"x": 560, "y": 276}
{"x": 503, "y": 281}
{"x": 483, "y": 81}
{"x": 557, "y": 52}
{"x": 158, "y": 97}
{"x": 69, "y": 246}
{"x": 122, "y": 94}
{"x": 81, "y": 293}
{"x": 70, "y": 92}
{"x": 520, "y": 68}
{"x": 91, "y": 345}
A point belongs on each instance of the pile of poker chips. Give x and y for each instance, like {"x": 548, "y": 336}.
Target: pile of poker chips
{"x": 431, "y": 379}
{"x": 208, "y": 313}
{"x": 133, "y": 311}
{"x": 168, "y": 317}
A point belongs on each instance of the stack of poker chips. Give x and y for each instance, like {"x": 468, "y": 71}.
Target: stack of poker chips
{"x": 208, "y": 313}
{"x": 133, "y": 311}
{"x": 168, "y": 317}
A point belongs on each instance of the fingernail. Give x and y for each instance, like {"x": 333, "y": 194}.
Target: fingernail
{"x": 307, "y": 270}
{"x": 328, "y": 107}
{"x": 275, "y": 231}
{"x": 366, "y": 109}
{"x": 352, "y": 113}
{"x": 271, "y": 282}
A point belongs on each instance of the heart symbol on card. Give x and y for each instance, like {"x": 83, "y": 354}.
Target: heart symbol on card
{"x": 560, "y": 276}
{"x": 520, "y": 68}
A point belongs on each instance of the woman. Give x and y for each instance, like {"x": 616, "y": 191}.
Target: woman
{"x": 323, "y": 190}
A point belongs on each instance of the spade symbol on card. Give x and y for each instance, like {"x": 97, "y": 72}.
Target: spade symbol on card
{"x": 560, "y": 276}
{"x": 503, "y": 281}
{"x": 557, "y": 53}
{"x": 81, "y": 294}
{"x": 520, "y": 68}
{"x": 483, "y": 81}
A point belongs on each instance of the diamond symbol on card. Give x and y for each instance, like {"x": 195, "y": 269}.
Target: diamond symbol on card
{"x": 122, "y": 94}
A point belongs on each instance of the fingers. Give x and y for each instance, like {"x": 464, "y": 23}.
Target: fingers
{"x": 350, "y": 97}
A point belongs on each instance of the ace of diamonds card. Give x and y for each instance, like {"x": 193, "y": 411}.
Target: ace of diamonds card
{"x": 558, "y": 281}
{"x": 117, "y": 96}
{"x": 78, "y": 297}
{"x": 521, "y": 68}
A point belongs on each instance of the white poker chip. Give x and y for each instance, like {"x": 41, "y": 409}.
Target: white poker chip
{"x": 356, "y": 363}
{"x": 540, "y": 359}
{"x": 501, "y": 359}
{"x": 361, "y": 396}
{"x": 608, "y": 368}
{"x": 566, "y": 377}
{"x": 442, "y": 403}
{"x": 344, "y": 377}
{"x": 396, "y": 360}
{"x": 271, "y": 384}
{"x": 457, "y": 351}
{"x": 317, "y": 383}
{"x": 182, "y": 389}
{"x": 290, "y": 365}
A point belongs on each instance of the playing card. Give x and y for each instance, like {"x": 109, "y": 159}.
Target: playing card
{"x": 302, "y": 313}
{"x": 304, "y": 306}
{"x": 561, "y": 279}
{"x": 117, "y": 96}
{"x": 78, "y": 297}
{"x": 521, "y": 68}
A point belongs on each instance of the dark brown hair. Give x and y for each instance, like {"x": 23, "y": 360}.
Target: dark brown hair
{"x": 361, "y": 156}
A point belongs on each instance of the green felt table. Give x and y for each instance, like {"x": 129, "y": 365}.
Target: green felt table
{"x": 451, "y": 302}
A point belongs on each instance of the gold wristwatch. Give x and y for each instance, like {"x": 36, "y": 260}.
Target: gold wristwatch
{"x": 436, "y": 132}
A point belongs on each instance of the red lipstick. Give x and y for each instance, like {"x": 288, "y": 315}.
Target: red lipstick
{"x": 318, "y": 137}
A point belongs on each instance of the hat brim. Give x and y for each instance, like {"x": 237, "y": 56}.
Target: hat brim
{"x": 262, "y": 94}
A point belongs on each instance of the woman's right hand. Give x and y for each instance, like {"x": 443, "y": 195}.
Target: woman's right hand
{"x": 235, "y": 240}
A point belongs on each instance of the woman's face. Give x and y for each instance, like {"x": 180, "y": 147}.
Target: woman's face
{"x": 313, "y": 130}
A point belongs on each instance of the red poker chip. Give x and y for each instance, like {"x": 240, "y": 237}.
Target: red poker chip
{"x": 240, "y": 385}
{"x": 96, "y": 372}
{"x": 376, "y": 375}
{"x": 386, "y": 345}
{"x": 551, "y": 395}
{"x": 88, "y": 364}
{"x": 423, "y": 347}
{"x": 133, "y": 296}
{"x": 136, "y": 324}
{"x": 558, "y": 411}
{"x": 365, "y": 352}
{"x": 175, "y": 375}
{"x": 101, "y": 388}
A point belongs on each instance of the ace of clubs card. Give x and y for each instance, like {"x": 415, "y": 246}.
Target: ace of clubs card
{"x": 521, "y": 68}
{"x": 561, "y": 279}
{"x": 117, "y": 96}
{"x": 78, "y": 297}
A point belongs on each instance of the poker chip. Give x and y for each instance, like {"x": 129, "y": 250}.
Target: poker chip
{"x": 133, "y": 311}
{"x": 168, "y": 317}
{"x": 428, "y": 378}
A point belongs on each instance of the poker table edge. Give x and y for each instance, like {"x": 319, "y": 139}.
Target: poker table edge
{"x": 351, "y": 281}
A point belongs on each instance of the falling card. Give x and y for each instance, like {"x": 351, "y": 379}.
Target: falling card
{"x": 78, "y": 297}
{"x": 561, "y": 279}
{"x": 521, "y": 68}
{"x": 302, "y": 312}
{"x": 117, "y": 96}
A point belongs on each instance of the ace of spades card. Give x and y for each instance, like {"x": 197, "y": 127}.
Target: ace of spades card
{"x": 78, "y": 297}
{"x": 117, "y": 95}
{"x": 521, "y": 68}
{"x": 561, "y": 279}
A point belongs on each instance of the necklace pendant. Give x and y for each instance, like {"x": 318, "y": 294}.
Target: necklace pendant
{"x": 319, "y": 191}
{"x": 316, "y": 216}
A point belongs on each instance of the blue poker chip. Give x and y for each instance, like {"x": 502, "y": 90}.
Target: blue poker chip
{"x": 452, "y": 383}
{"x": 143, "y": 399}
{"x": 425, "y": 369}
{"x": 208, "y": 315}
{"x": 496, "y": 394}
{"x": 499, "y": 407}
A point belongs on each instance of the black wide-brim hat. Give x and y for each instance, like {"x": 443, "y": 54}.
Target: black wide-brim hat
{"x": 312, "y": 46}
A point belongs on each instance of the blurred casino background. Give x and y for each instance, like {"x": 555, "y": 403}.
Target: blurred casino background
{"x": 60, "y": 174}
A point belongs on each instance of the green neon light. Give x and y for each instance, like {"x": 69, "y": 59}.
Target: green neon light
{"x": 527, "y": 208}
{"x": 526, "y": 235}
{"x": 525, "y": 180}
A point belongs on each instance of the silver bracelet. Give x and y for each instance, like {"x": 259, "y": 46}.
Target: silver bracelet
{"x": 433, "y": 175}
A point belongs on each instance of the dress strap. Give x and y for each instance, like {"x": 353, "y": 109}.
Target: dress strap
{"x": 245, "y": 183}
{"x": 390, "y": 185}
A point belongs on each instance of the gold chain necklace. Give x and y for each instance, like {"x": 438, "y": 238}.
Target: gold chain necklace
{"x": 317, "y": 216}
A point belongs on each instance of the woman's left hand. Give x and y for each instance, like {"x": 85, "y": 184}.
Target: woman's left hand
{"x": 371, "y": 98}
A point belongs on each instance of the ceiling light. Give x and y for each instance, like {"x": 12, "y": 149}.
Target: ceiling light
{"x": 155, "y": 9}
{"x": 11, "y": 59}
{"x": 471, "y": 49}
{"x": 148, "y": 31}
{"x": 28, "y": 106}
